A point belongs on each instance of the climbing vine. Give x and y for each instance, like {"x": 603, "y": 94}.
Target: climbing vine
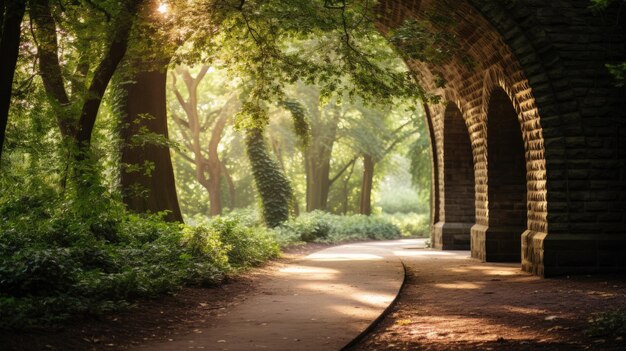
{"x": 272, "y": 184}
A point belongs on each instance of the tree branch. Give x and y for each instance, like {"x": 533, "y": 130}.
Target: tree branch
{"x": 49, "y": 66}
{"x": 104, "y": 72}
{"x": 333, "y": 179}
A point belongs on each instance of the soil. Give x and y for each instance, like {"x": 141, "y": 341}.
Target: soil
{"x": 151, "y": 319}
{"x": 451, "y": 302}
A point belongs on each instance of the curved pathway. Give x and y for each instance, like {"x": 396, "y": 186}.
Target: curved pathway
{"x": 321, "y": 302}
{"x": 450, "y": 302}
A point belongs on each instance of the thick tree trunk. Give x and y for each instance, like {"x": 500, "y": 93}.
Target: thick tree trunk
{"x": 366, "y": 185}
{"x": 11, "y": 15}
{"x": 146, "y": 96}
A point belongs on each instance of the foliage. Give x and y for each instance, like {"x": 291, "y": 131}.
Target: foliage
{"x": 418, "y": 40}
{"x": 69, "y": 247}
{"x": 319, "y": 226}
{"x": 300, "y": 123}
{"x": 58, "y": 259}
{"x": 270, "y": 44}
{"x": 246, "y": 245}
{"x": 618, "y": 71}
{"x": 398, "y": 192}
{"x": 420, "y": 156}
{"x": 610, "y": 323}
{"x": 272, "y": 185}
{"x": 410, "y": 224}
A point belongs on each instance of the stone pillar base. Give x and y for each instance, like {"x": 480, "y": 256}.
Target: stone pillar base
{"x": 500, "y": 244}
{"x": 554, "y": 255}
{"x": 451, "y": 236}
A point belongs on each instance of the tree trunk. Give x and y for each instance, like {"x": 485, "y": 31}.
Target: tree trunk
{"x": 293, "y": 202}
{"x": 214, "y": 189}
{"x": 102, "y": 76}
{"x": 317, "y": 158}
{"x": 271, "y": 182}
{"x": 146, "y": 96}
{"x": 232, "y": 194}
{"x": 215, "y": 165}
{"x": 49, "y": 66}
{"x": 11, "y": 17}
{"x": 366, "y": 185}
{"x": 346, "y": 189}
{"x": 46, "y": 36}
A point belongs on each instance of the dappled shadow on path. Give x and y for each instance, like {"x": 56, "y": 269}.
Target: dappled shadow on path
{"x": 452, "y": 302}
{"x": 318, "y": 303}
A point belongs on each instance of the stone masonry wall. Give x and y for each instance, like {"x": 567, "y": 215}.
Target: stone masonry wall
{"x": 548, "y": 56}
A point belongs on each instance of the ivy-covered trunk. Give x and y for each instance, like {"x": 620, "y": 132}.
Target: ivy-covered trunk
{"x": 147, "y": 177}
{"x": 11, "y": 15}
{"x": 271, "y": 182}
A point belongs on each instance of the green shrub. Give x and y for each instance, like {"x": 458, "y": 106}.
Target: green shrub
{"x": 58, "y": 260}
{"x": 318, "y": 226}
{"x": 308, "y": 227}
{"x": 410, "y": 224}
{"x": 246, "y": 246}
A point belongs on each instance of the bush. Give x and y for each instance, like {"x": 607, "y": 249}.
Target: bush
{"x": 246, "y": 246}
{"x": 318, "y": 226}
{"x": 410, "y": 224}
{"x": 58, "y": 261}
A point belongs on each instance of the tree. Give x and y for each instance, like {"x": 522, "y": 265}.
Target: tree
{"x": 209, "y": 169}
{"x": 77, "y": 110}
{"x": 147, "y": 177}
{"x": 257, "y": 48}
{"x": 379, "y": 134}
{"x": 323, "y": 121}
{"x": 11, "y": 15}
{"x": 272, "y": 185}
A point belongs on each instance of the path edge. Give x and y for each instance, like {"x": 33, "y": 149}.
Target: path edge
{"x": 378, "y": 319}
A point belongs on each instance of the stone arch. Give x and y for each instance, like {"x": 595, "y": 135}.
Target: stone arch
{"x": 469, "y": 86}
{"x": 570, "y": 114}
{"x": 457, "y": 213}
{"x": 506, "y": 164}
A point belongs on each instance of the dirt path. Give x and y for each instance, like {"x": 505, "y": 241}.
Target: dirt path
{"x": 449, "y": 302}
{"x": 318, "y": 303}
{"x": 452, "y": 302}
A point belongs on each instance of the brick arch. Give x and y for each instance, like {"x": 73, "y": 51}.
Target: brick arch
{"x": 470, "y": 88}
{"x": 549, "y": 58}
{"x": 507, "y": 160}
{"x": 532, "y": 134}
{"x": 457, "y": 212}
